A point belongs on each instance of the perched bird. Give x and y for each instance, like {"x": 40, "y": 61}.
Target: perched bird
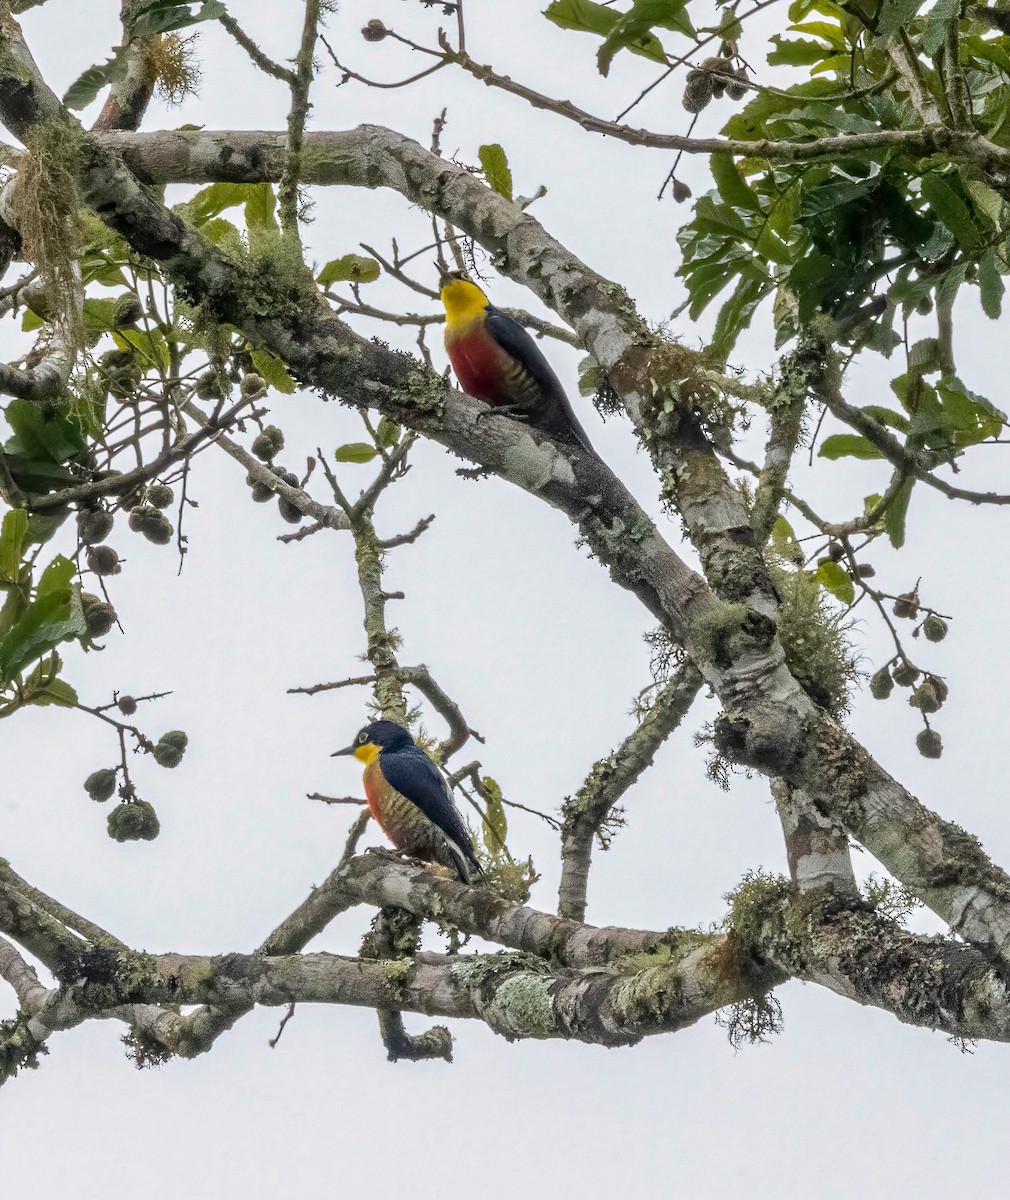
{"x": 496, "y": 360}
{"x": 410, "y": 799}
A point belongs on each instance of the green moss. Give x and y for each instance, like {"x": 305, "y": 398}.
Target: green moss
{"x": 712, "y": 635}
{"x": 815, "y": 639}
{"x": 19, "y": 1050}
{"x": 755, "y": 904}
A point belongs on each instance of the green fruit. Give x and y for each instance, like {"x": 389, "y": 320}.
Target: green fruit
{"x": 98, "y": 616}
{"x": 210, "y": 386}
{"x": 924, "y": 698}
{"x": 94, "y": 525}
{"x": 101, "y": 784}
{"x": 127, "y": 312}
{"x": 126, "y": 705}
{"x": 934, "y": 628}
{"x": 906, "y": 606}
{"x": 697, "y": 91}
{"x": 135, "y": 821}
{"x": 374, "y": 31}
{"x": 929, "y": 743}
{"x": 176, "y": 738}
{"x": 103, "y": 560}
{"x": 881, "y": 684}
{"x": 288, "y": 511}
{"x": 160, "y": 495}
{"x": 253, "y": 385}
{"x": 905, "y": 675}
{"x": 152, "y": 523}
{"x": 166, "y": 756}
{"x": 263, "y": 447}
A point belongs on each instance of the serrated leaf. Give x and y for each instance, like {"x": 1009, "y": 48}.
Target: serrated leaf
{"x": 356, "y": 452}
{"x": 351, "y": 268}
{"x": 12, "y": 543}
{"x": 848, "y": 445}
{"x": 388, "y": 433}
{"x": 893, "y": 14}
{"x": 924, "y": 356}
{"x": 165, "y": 16}
{"x": 42, "y": 436}
{"x": 86, "y": 86}
{"x": 834, "y": 578}
{"x": 496, "y": 169}
{"x": 260, "y": 206}
{"x": 213, "y": 200}
{"x": 731, "y": 185}
{"x": 268, "y": 365}
{"x": 796, "y": 52}
{"x": 735, "y": 315}
{"x": 783, "y": 540}
{"x": 590, "y": 17}
{"x": 633, "y": 30}
{"x": 897, "y": 513}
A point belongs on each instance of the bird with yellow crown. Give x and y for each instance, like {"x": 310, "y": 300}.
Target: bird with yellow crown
{"x": 497, "y": 361}
{"x": 410, "y": 799}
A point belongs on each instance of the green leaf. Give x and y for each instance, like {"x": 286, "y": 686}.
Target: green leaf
{"x": 86, "y": 86}
{"x": 260, "y": 206}
{"x": 796, "y": 52}
{"x": 99, "y": 317}
{"x": 589, "y": 376}
{"x": 834, "y": 578}
{"x": 496, "y": 169}
{"x": 525, "y": 201}
{"x": 31, "y": 321}
{"x": 53, "y": 437}
{"x": 783, "y": 539}
{"x": 951, "y": 209}
{"x": 633, "y": 30}
{"x": 267, "y": 364}
{"x": 13, "y": 533}
{"x": 388, "y": 433}
{"x": 53, "y": 616}
{"x": 897, "y": 511}
{"x": 356, "y": 452}
{"x": 848, "y": 445}
{"x": 893, "y": 14}
{"x": 590, "y": 17}
{"x": 496, "y": 826}
{"x": 735, "y": 315}
{"x": 213, "y": 200}
{"x": 731, "y": 185}
{"x": 164, "y": 16}
{"x": 351, "y": 268}
{"x": 58, "y": 691}
{"x": 887, "y": 416}
{"x": 924, "y": 356}
{"x": 42, "y": 687}
{"x": 990, "y": 286}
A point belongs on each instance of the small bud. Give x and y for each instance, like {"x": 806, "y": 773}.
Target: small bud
{"x": 681, "y": 191}
{"x": 94, "y": 525}
{"x": 934, "y": 628}
{"x": 160, "y": 495}
{"x": 103, "y": 560}
{"x": 881, "y": 684}
{"x": 252, "y": 385}
{"x": 98, "y": 616}
{"x": 905, "y": 674}
{"x": 929, "y": 743}
{"x": 126, "y": 705}
{"x": 101, "y": 784}
{"x": 906, "y": 606}
{"x": 865, "y": 570}
{"x": 127, "y": 312}
{"x": 133, "y": 822}
{"x": 374, "y": 31}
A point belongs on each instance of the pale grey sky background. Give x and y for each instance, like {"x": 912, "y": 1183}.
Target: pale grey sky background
{"x": 544, "y": 654}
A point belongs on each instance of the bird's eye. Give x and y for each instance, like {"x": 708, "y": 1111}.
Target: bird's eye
{"x": 362, "y": 738}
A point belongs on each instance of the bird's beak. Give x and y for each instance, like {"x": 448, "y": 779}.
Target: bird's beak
{"x": 443, "y": 274}
{"x": 341, "y": 753}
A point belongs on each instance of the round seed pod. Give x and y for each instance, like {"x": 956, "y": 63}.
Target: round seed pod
{"x": 160, "y": 495}
{"x": 94, "y": 525}
{"x": 374, "y": 31}
{"x": 261, "y": 493}
{"x": 940, "y": 689}
{"x": 934, "y": 628}
{"x": 288, "y": 511}
{"x": 210, "y": 386}
{"x": 176, "y": 738}
{"x": 252, "y": 385}
{"x": 289, "y": 477}
{"x": 924, "y": 698}
{"x": 697, "y": 91}
{"x": 929, "y": 743}
{"x": 737, "y": 91}
{"x": 681, "y": 191}
{"x": 98, "y": 616}
{"x": 112, "y": 360}
{"x": 836, "y": 551}
{"x": 103, "y": 560}
{"x": 127, "y": 312}
{"x": 865, "y": 570}
{"x": 881, "y": 684}
{"x": 122, "y": 382}
{"x": 154, "y": 525}
{"x": 135, "y": 821}
{"x": 263, "y": 447}
{"x": 101, "y": 784}
{"x": 905, "y": 674}
{"x": 906, "y": 606}
{"x": 126, "y": 705}
{"x": 166, "y": 755}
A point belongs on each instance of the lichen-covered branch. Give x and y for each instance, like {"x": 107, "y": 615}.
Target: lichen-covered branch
{"x": 585, "y": 813}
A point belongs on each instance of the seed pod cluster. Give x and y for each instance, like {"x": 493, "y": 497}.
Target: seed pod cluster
{"x": 121, "y": 373}
{"x": 929, "y": 696}
{"x": 715, "y": 78}
{"x": 98, "y": 616}
{"x": 160, "y": 495}
{"x": 211, "y": 386}
{"x": 268, "y": 444}
{"x": 374, "y": 31}
{"x": 103, "y": 560}
{"x": 929, "y": 743}
{"x": 261, "y": 492}
{"x": 252, "y": 385}
{"x": 152, "y": 523}
{"x": 170, "y": 748}
{"x": 94, "y": 525}
{"x": 101, "y": 784}
{"x": 288, "y": 511}
{"x": 906, "y": 606}
{"x": 127, "y": 312}
{"x": 133, "y": 821}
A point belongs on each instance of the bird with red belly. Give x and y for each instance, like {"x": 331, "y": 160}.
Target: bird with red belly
{"x": 409, "y": 798}
{"x": 497, "y": 361}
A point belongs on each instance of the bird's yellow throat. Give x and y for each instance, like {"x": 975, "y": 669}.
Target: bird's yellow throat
{"x": 368, "y": 753}
{"x": 464, "y": 303}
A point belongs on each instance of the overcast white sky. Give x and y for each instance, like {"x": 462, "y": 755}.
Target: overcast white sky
{"x": 544, "y": 655}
